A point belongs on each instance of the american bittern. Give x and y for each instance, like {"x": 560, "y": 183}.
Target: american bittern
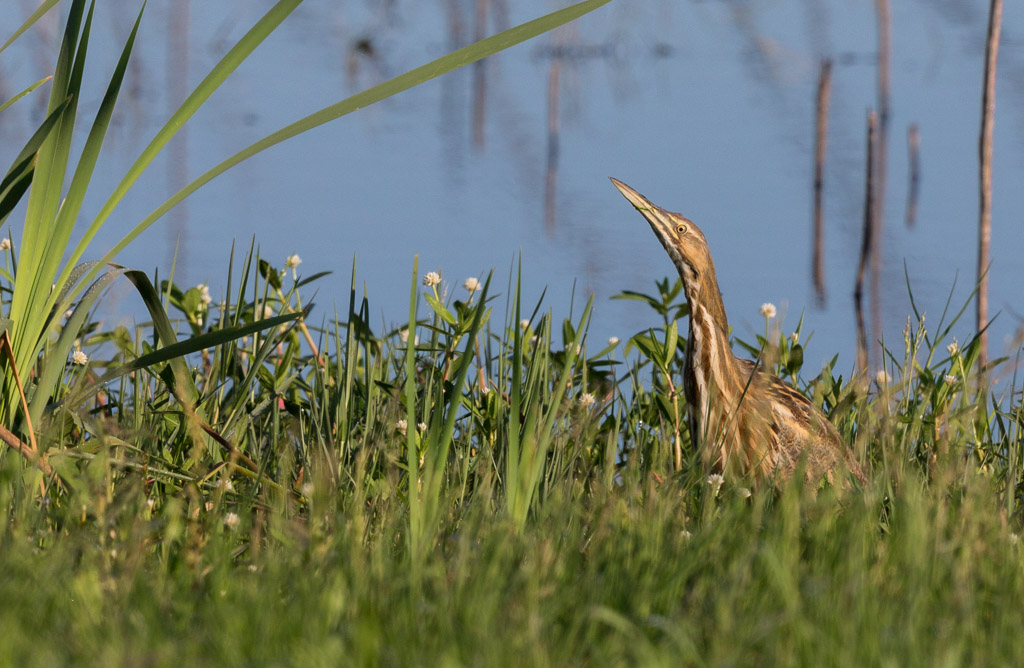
{"x": 742, "y": 419}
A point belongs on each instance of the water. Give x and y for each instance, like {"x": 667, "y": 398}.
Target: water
{"x": 705, "y": 107}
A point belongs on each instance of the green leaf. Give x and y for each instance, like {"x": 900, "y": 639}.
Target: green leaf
{"x": 671, "y": 341}
{"x": 440, "y": 309}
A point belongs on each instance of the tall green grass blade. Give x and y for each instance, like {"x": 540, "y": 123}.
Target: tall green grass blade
{"x": 24, "y": 93}
{"x": 19, "y": 176}
{"x": 227, "y": 65}
{"x": 43, "y": 7}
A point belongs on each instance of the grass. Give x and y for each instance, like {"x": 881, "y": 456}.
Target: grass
{"x": 242, "y": 479}
{"x": 155, "y": 543}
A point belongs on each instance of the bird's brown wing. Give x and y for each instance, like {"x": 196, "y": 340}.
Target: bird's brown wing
{"x": 804, "y": 433}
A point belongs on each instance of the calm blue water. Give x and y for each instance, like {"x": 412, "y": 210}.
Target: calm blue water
{"x": 706, "y": 107}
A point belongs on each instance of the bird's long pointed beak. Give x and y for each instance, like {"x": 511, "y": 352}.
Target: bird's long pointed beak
{"x": 655, "y": 215}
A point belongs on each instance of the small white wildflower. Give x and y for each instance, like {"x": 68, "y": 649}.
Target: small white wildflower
{"x": 78, "y": 357}
{"x": 613, "y": 341}
{"x": 794, "y": 338}
{"x": 716, "y": 480}
{"x": 5, "y": 244}
{"x": 524, "y": 323}
{"x": 204, "y": 294}
{"x": 883, "y": 377}
{"x": 472, "y": 284}
{"x": 533, "y": 340}
{"x": 587, "y": 399}
{"x": 768, "y": 310}
{"x": 431, "y": 279}
{"x": 150, "y": 503}
{"x": 402, "y": 426}
{"x": 293, "y": 261}
{"x": 253, "y": 568}
{"x": 744, "y": 492}
{"x": 1014, "y": 538}
{"x": 227, "y": 486}
{"x": 68, "y": 314}
{"x": 953, "y": 348}
{"x": 686, "y": 534}
{"x": 307, "y": 489}
{"x": 268, "y": 311}
{"x": 231, "y": 520}
{"x": 422, "y": 426}
{"x": 950, "y": 379}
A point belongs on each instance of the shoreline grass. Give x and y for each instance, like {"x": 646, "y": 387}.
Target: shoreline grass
{"x": 158, "y": 545}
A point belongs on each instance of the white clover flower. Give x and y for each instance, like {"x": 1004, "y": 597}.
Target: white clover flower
{"x": 524, "y": 323}
{"x": 953, "y": 348}
{"x": 686, "y": 534}
{"x": 613, "y": 340}
{"x": 5, "y": 244}
{"x": 744, "y": 492}
{"x": 768, "y": 310}
{"x": 231, "y": 520}
{"x": 794, "y": 338}
{"x": 204, "y": 294}
{"x": 1014, "y": 538}
{"x": 587, "y": 399}
{"x": 80, "y": 358}
{"x": 293, "y": 261}
{"x": 431, "y": 279}
{"x": 422, "y": 426}
{"x": 402, "y": 426}
{"x": 227, "y": 486}
{"x": 883, "y": 377}
{"x": 472, "y": 284}
{"x": 716, "y": 480}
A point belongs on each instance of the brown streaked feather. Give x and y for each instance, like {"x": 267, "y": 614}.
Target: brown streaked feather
{"x": 742, "y": 418}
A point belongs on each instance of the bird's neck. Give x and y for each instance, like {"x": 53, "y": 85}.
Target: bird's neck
{"x": 710, "y": 352}
{"x": 706, "y": 306}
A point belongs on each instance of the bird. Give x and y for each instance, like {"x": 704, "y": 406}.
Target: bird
{"x": 743, "y": 419}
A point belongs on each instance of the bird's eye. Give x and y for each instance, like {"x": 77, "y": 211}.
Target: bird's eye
{"x": 681, "y": 229}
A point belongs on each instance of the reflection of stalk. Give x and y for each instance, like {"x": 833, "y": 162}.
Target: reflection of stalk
{"x": 865, "y": 251}
{"x": 881, "y": 150}
{"x": 988, "y": 107}
{"x": 177, "y": 152}
{"x": 480, "y": 78}
{"x": 820, "y": 141}
{"x": 914, "y": 160}
{"x": 551, "y": 173}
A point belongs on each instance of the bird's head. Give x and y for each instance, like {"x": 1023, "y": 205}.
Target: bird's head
{"x": 682, "y": 239}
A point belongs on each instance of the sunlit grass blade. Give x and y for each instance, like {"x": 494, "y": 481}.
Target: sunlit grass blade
{"x": 43, "y": 7}
{"x": 19, "y": 176}
{"x": 23, "y": 93}
{"x": 220, "y": 72}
